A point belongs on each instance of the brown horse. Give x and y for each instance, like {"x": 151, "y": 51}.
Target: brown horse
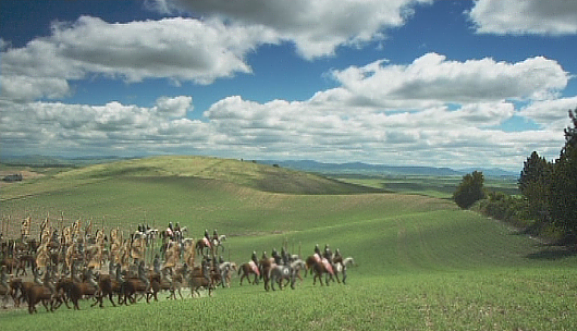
{"x": 197, "y": 280}
{"x": 203, "y": 244}
{"x": 172, "y": 282}
{"x": 68, "y": 289}
{"x": 323, "y": 267}
{"x": 247, "y": 269}
{"x": 38, "y": 293}
{"x": 130, "y": 288}
{"x": 107, "y": 287}
{"x": 265, "y": 265}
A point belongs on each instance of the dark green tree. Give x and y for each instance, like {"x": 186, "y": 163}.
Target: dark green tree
{"x": 470, "y": 190}
{"x": 563, "y": 193}
{"x": 534, "y": 184}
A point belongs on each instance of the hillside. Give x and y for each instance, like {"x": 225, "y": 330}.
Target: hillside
{"x": 421, "y": 263}
{"x": 260, "y": 177}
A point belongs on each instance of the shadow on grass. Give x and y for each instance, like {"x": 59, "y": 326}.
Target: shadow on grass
{"x": 553, "y": 252}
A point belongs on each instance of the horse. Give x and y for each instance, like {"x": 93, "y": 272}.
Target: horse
{"x": 133, "y": 286}
{"x": 196, "y": 280}
{"x": 75, "y": 291}
{"x": 216, "y": 243}
{"x": 172, "y": 282}
{"x": 247, "y": 269}
{"x": 279, "y": 273}
{"x": 38, "y": 293}
{"x": 107, "y": 287}
{"x": 202, "y": 244}
{"x": 226, "y": 269}
{"x": 265, "y": 264}
{"x": 341, "y": 266}
{"x": 323, "y": 267}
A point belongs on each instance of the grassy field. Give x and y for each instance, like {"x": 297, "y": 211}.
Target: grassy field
{"x": 422, "y": 264}
{"x": 434, "y": 186}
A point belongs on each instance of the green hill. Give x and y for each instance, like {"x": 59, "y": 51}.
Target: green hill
{"x": 225, "y": 171}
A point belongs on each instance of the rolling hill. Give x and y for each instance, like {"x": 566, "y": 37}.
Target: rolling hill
{"x": 422, "y": 263}
{"x": 260, "y": 177}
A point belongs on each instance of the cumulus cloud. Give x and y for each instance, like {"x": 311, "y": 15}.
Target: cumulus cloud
{"x": 81, "y": 129}
{"x": 432, "y": 79}
{"x": 317, "y": 27}
{"x": 174, "y": 107}
{"x": 522, "y": 17}
{"x": 375, "y": 112}
{"x": 551, "y": 114}
{"x": 309, "y": 129}
{"x": 179, "y": 49}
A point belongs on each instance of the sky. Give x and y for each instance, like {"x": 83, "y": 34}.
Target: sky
{"x": 456, "y": 84}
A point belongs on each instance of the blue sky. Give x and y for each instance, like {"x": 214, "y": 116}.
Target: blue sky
{"x": 437, "y": 83}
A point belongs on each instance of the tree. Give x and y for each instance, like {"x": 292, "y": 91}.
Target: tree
{"x": 470, "y": 190}
{"x": 563, "y": 193}
{"x": 534, "y": 184}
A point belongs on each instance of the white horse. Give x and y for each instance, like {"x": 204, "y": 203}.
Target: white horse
{"x": 280, "y": 273}
{"x": 216, "y": 243}
{"x": 340, "y": 266}
{"x": 226, "y": 272}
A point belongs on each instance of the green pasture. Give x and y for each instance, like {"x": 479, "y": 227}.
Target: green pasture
{"x": 434, "y": 186}
{"x": 422, "y": 264}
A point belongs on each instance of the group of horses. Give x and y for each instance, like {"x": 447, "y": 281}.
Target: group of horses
{"x": 284, "y": 269}
{"x": 65, "y": 264}
{"x": 70, "y": 264}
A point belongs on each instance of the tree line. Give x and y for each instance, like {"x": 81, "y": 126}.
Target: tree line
{"x": 547, "y": 204}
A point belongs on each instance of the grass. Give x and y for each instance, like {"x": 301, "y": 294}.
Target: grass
{"x": 422, "y": 264}
{"x": 435, "y": 186}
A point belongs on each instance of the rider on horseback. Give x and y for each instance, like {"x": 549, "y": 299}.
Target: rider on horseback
{"x": 206, "y": 262}
{"x": 170, "y": 231}
{"x": 285, "y": 256}
{"x": 328, "y": 254}
{"x": 277, "y": 258}
{"x": 143, "y": 275}
{"x": 318, "y": 251}
{"x": 215, "y": 238}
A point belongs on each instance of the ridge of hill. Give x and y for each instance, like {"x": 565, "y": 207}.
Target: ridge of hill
{"x": 249, "y": 174}
{"x": 362, "y": 168}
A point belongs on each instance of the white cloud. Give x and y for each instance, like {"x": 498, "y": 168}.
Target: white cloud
{"x": 316, "y": 27}
{"x": 432, "y": 79}
{"x": 521, "y": 17}
{"x": 176, "y": 48}
{"x": 551, "y": 114}
{"x": 393, "y": 124}
{"x": 21, "y": 87}
{"x": 76, "y": 129}
{"x": 174, "y": 107}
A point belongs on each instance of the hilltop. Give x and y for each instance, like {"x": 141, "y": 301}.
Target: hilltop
{"x": 249, "y": 174}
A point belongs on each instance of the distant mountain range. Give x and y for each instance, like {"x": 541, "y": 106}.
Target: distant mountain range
{"x": 302, "y": 165}
{"x": 379, "y": 169}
